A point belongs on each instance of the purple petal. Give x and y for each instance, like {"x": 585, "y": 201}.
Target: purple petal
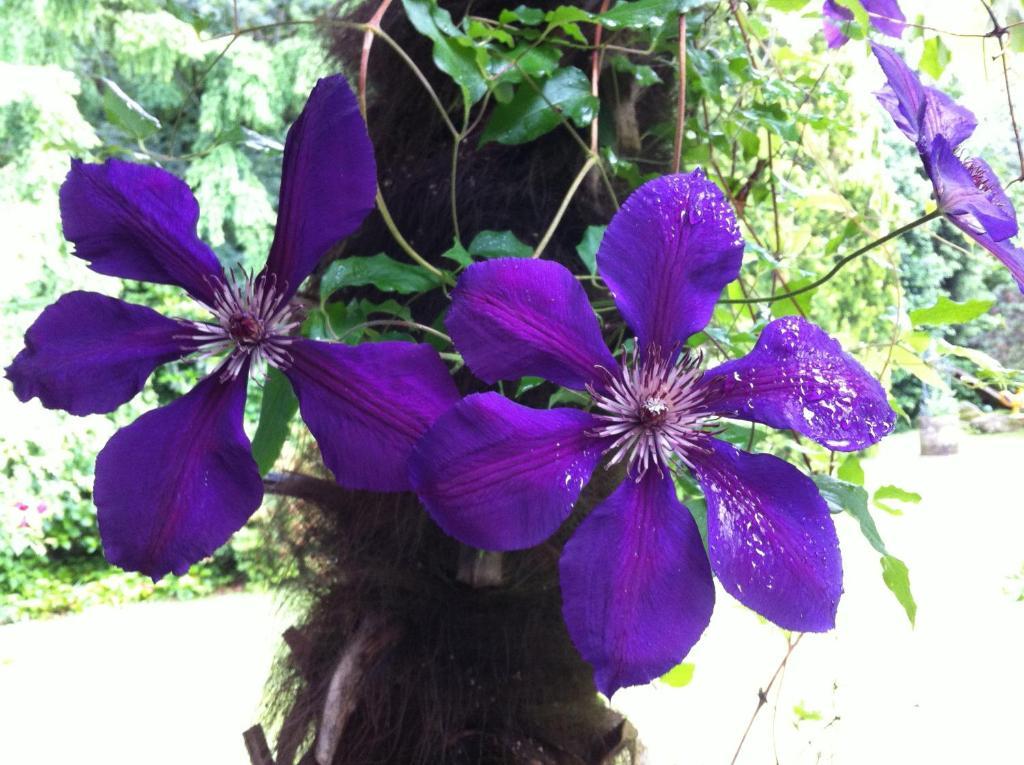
{"x": 90, "y": 353}
{"x": 1009, "y": 255}
{"x": 636, "y": 585}
{"x": 328, "y": 181}
{"x": 834, "y": 17}
{"x": 174, "y": 485}
{"x": 798, "y": 377}
{"x": 667, "y": 255}
{"x": 970, "y": 194}
{"x": 886, "y": 16}
{"x": 771, "y": 539}
{"x": 137, "y": 222}
{"x": 922, "y": 113}
{"x": 501, "y": 476}
{"x": 367, "y": 405}
{"x": 511, "y": 318}
{"x": 906, "y": 103}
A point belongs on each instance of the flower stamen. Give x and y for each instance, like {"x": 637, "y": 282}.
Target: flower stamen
{"x": 253, "y": 322}
{"x": 654, "y": 410}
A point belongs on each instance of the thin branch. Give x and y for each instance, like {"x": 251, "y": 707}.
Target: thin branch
{"x": 677, "y": 146}
{"x": 999, "y": 31}
{"x": 308, "y": 488}
{"x": 841, "y": 262}
{"x": 397, "y": 323}
{"x": 595, "y": 75}
{"x": 257, "y": 747}
{"x": 762, "y": 695}
{"x": 591, "y": 161}
{"x": 402, "y": 242}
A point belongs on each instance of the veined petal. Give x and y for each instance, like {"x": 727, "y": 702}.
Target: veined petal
{"x": 501, "y": 476}
{"x": 636, "y": 585}
{"x": 970, "y": 194}
{"x": 921, "y": 112}
{"x": 328, "y": 181}
{"x": 798, "y": 377}
{"x": 886, "y": 16}
{"x": 512, "y": 317}
{"x": 90, "y": 353}
{"x": 174, "y": 485}
{"x": 137, "y": 222}
{"x": 367, "y": 405}
{"x": 771, "y": 539}
{"x": 667, "y": 254}
{"x": 1008, "y": 254}
{"x": 833, "y": 18}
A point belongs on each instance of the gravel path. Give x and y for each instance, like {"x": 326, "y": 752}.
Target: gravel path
{"x": 177, "y": 682}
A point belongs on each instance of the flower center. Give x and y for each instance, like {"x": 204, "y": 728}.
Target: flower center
{"x": 252, "y": 322}
{"x": 246, "y": 329}
{"x": 654, "y": 411}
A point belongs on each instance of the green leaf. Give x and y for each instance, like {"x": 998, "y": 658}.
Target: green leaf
{"x": 946, "y": 311}
{"x": 935, "y": 57}
{"x": 531, "y": 114}
{"x": 458, "y": 253}
{"x": 567, "y": 18}
{"x": 884, "y": 494}
{"x": 379, "y": 271}
{"x": 644, "y": 14}
{"x": 859, "y": 27}
{"x": 787, "y": 5}
{"x": 852, "y": 499}
{"x": 457, "y": 61}
{"x": 803, "y": 713}
{"x": 897, "y": 579}
{"x": 527, "y": 384}
{"x": 523, "y": 14}
{"x": 508, "y": 67}
{"x": 798, "y": 305}
{"x": 498, "y": 244}
{"x": 679, "y": 676}
{"x": 979, "y": 358}
{"x": 643, "y": 74}
{"x": 922, "y": 370}
{"x": 851, "y": 471}
{"x": 126, "y": 113}
{"x": 587, "y": 248}
{"x": 277, "y": 409}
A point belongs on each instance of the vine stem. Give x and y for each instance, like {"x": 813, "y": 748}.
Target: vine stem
{"x": 762, "y": 695}
{"x": 677, "y": 146}
{"x": 398, "y": 323}
{"x": 591, "y": 161}
{"x": 372, "y": 30}
{"x": 998, "y": 31}
{"x": 841, "y": 263}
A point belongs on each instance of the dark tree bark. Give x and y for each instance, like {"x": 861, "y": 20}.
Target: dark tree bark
{"x": 417, "y": 649}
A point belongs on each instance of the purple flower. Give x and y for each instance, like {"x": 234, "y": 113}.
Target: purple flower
{"x": 173, "y": 486}
{"x": 967, "y": 192}
{"x": 636, "y": 581}
{"x": 884, "y": 15}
